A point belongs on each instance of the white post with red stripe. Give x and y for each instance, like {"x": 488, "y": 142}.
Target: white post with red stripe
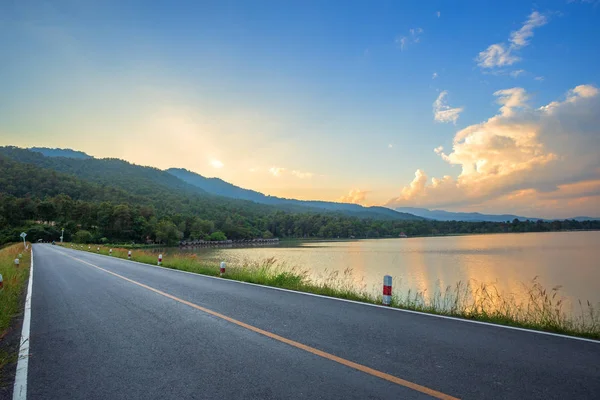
{"x": 160, "y": 259}
{"x": 1, "y": 282}
{"x": 222, "y": 272}
{"x": 387, "y": 290}
{"x": 129, "y": 255}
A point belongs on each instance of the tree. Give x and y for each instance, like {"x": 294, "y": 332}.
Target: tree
{"x": 167, "y": 232}
{"x": 217, "y": 236}
{"x": 83, "y": 236}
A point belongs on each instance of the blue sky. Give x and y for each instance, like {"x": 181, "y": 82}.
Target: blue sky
{"x": 312, "y": 99}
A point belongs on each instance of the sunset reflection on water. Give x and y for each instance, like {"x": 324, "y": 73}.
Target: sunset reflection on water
{"x": 507, "y": 261}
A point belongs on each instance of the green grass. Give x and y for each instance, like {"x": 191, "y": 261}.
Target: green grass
{"x": 11, "y": 296}
{"x": 542, "y": 309}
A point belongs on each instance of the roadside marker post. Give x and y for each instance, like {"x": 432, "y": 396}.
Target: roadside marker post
{"x": 110, "y": 252}
{"x": 17, "y": 262}
{"x": 129, "y": 255}
{"x": 1, "y": 282}
{"x": 97, "y": 249}
{"x": 160, "y": 259}
{"x": 222, "y": 272}
{"x": 387, "y": 290}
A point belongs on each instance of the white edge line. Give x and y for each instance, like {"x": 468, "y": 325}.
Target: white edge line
{"x": 20, "y": 387}
{"x": 352, "y": 301}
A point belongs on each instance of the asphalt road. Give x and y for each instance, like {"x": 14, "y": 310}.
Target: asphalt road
{"x": 95, "y": 335}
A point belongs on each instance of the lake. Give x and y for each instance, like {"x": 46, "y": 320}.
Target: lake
{"x": 567, "y": 259}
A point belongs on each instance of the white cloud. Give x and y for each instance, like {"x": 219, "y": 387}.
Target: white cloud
{"x": 355, "y": 196}
{"x": 216, "y": 164}
{"x": 521, "y": 37}
{"x": 414, "y": 36}
{"x": 539, "y": 78}
{"x": 520, "y": 156}
{"x": 390, "y": 146}
{"x": 496, "y": 55}
{"x": 501, "y": 54}
{"x": 302, "y": 175}
{"x": 511, "y": 99}
{"x": 276, "y": 171}
{"x": 280, "y": 171}
{"x": 517, "y": 72}
{"x": 434, "y": 76}
{"x": 439, "y": 14}
{"x": 442, "y": 112}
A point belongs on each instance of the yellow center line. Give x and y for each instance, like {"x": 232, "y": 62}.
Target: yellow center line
{"x": 320, "y": 353}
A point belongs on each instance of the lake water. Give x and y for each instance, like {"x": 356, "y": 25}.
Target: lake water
{"x": 568, "y": 259}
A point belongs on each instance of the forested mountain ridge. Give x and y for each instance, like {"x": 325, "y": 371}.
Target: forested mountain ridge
{"x": 220, "y": 187}
{"x": 128, "y": 205}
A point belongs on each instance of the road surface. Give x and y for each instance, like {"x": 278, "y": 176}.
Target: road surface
{"x": 105, "y": 328}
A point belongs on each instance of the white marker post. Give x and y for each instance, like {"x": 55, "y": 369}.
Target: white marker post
{"x": 222, "y": 272}
{"x": 387, "y": 290}
{"x": 1, "y": 282}
{"x": 129, "y": 255}
{"x": 160, "y": 259}
{"x": 110, "y": 252}
{"x": 98, "y": 249}
{"x": 23, "y": 235}
{"x": 17, "y": 262}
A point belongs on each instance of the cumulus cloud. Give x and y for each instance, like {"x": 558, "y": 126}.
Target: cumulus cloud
{"x": 442, "y": 112}
{"x": 414, "y": 36}
{"x": 434, "y": 76}
{"x": 502, "y": 54}
{"x": 355, "y": 196}
{"x": 522, "y": 152}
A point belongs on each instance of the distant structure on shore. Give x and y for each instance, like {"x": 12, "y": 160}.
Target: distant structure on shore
{"x": 228, "y": 243}
{"x": 402, "y": 235}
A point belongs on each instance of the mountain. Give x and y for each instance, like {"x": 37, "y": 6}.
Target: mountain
{"x": 69, "y": 153}
{"x": 585, "y": 219}
{"x": 219, "y": 187}
{"x": 441, "y": 215}
{"x": 152, "y": 182}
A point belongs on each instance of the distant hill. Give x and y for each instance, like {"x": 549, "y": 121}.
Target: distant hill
{"x": 441, "y": 215}
{"x": 148, "y": 181}
{"x": 220, "y": 187}
{"x": 48, "y": 152}
{"x": 585, "y": 219}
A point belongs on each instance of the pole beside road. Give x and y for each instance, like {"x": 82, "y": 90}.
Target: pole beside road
{"x": 129, "y": 255}
{"x": 387, "y": 290}
{"x": 160, "y": 259}
{"x": 222, "y": 271}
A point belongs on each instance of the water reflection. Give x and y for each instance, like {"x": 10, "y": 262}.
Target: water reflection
{"x": 569, "y": 259}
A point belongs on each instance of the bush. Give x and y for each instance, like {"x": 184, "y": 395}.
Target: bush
{"x": 83, "y": 236}
{"x": 217, "y": 236}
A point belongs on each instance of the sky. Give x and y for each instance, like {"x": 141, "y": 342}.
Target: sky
{"x": 464, "y": 106}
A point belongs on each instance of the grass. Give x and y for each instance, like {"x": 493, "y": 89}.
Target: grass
{"x": 542, "y": 309}
{"x": 11, "y": 296}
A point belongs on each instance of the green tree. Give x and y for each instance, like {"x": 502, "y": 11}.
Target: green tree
{"x": 83, "y": 236}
